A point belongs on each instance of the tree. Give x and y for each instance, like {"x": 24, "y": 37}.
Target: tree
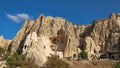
{"x": 83, "y": 55}
{"x": 55, "y": 62}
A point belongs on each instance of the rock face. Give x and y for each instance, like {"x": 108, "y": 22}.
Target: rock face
{"x": 4, "y": 43}
{"x": 37, "y": 48}
{"x": 47, "y": 35}
{"x": 3, "y": 64}
{"x": 102, "y": 36}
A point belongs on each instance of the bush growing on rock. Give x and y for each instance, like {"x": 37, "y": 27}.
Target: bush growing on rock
{"x": 18, "y": 60}
{"x": 2, "y": 51}
{"x": 55, "y": 62}
{"x": 83, "y": 55}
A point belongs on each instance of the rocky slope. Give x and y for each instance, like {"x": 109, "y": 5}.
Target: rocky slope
{"x": 47, "y": 35}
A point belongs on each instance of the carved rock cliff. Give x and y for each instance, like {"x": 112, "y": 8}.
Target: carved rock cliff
{"x": 47, "y": 35}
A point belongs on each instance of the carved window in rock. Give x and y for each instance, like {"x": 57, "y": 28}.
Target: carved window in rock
{"x": 100, "y": 51}
{"x": 74, "y": 55}
{"x": 25, "y": 46}
{"x": 44, "y": 47}
{"x": 112, "y": 57}
{"x": 95, "y": 51}
{"x": 69, "y": 40}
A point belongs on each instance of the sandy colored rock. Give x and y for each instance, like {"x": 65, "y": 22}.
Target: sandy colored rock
{"x": 3, "y": 64}
{"x": 4, "y": 43}
{"x": 46, "y": 35}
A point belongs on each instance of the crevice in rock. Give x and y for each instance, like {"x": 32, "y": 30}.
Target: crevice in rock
{"x": 87, "y": 31}
{"x": 82, "y": 45}
{"x": 20, "y": 48}
{"x": 38, "y": 30}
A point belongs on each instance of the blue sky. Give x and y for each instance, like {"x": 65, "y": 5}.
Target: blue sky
{"x": 14, "y": 12}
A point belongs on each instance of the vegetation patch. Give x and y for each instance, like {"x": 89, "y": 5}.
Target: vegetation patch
{"x": 55, "y": 62}
{"x": 2, "y": 51}
{"x": 83, "y": 55}
{"x": 117, "y": 65}
{"x": 19, "y": 60}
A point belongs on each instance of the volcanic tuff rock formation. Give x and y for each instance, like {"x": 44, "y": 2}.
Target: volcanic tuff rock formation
{"x": 47, "y": 35}
{"x": 4, "y": 43}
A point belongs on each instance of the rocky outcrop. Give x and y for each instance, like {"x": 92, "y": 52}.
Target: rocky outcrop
{"x": 63, "y": 38}
{"x": 91, "y": 47}
{"x": 47, "y": 35}
{"x": 4, "y": 43}
{"x": 56, "y": 29}
{"x": 3, "y": 64}
{"x": 37, "y": 49}
{"x": 102, "y": 36}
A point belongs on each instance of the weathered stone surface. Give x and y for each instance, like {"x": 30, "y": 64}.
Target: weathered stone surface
{"x": 48, "y": 26}
{"x": 3, "y": 64}
{"x": 102, "y": 36}
{"x": 38, "y": 48}
{"x": 91, "y": 47}
{"x": 4, "y": 43}
{"x": 47, "y": 35}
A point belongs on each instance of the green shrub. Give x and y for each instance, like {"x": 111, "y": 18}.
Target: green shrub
{"x": 55, "y": 62}
{"x": 117, "y": 65}
{"x": 83, "y": 55}
{"x": 2, "y": 51}
{"x": 18, "y": 60}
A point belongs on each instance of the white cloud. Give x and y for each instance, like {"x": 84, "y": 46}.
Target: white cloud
{"x": 24, "y": 16}
{"x": 13, "y": 17}
{"x": 19, "y": 17}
